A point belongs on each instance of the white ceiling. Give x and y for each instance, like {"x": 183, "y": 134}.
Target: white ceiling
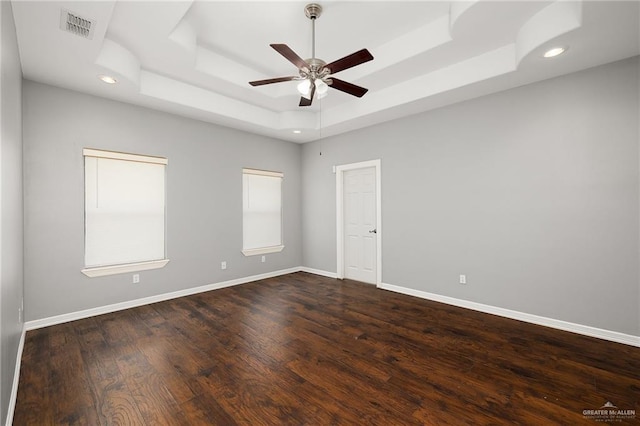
{"x": 195, "y": 58}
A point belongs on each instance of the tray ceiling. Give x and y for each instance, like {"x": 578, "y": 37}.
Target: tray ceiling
{"x": 195, "y": 58}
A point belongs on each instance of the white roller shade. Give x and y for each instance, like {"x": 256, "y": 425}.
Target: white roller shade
{"x": 124, "y": 208}
{"x": 262, "y": 211}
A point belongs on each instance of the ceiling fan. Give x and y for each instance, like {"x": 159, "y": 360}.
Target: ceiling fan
{"x": 315, "y": 75}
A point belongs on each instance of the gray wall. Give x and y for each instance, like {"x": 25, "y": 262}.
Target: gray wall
{"x": 532, "y": 192}
{"x": 204, "y": 198}
{"x": 11, "y": 246}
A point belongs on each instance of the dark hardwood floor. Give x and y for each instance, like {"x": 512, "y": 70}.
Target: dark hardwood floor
{"x": 308, "y": 350}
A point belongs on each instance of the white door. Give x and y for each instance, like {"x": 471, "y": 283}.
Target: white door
{"x": 360, "y": 233}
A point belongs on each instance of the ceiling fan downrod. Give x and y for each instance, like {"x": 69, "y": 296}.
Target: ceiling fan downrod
{"x": 313, "y": 12}
{"x": 314, "y": 78}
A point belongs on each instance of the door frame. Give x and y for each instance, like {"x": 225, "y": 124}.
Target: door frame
{"x": 340, "y": 215}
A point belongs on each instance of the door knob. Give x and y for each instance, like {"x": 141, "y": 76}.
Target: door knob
{"x": 373, "y": 231}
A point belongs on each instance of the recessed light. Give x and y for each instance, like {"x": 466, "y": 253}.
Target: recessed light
{"x": 107, "y": 79}
{"x": 554, "y": 52}
{"x": 297, "y": 132}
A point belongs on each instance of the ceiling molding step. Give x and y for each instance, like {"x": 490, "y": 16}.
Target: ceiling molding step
{"x": 169, "y": 89}
{"x": 179, "y": 12}
{"x": 120, "y": 61}
{"x": 556, "y": 19}
{"x": 185, "y": 36}
{"x": 226, "y": 69}
{"x": 398, "y": 51}
{"x": 457, "y": 9}
{"x": 482, "y": 67}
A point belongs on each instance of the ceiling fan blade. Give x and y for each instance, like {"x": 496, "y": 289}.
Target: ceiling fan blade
{"x": 307, "y": 102}
{"x": 360, "y": 57}
{"x": 271, "y": 80}
{"x": 349, "y": 88}
{"x": 291, "y": 56}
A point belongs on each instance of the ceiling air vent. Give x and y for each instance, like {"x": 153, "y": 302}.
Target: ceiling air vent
{"x": 76, "y": 24}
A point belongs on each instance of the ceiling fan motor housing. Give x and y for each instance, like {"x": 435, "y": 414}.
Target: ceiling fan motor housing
{"x": 316, "y": 69}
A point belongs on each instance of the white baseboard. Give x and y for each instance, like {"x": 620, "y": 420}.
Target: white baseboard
{"x": 318, "y": 272}
{"x": 586, "y": 330}
{"x": 16, "y": 379}
{"x": 73, "y": 316}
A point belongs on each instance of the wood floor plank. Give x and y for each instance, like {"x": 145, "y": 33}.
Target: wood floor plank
{"x": 205, "y": 410}
{"x": 116, "y": 405}
{"x": 68, "y": 377}
{"x": 34, "y": 391}
{"x": 308, "y": 350}
{"x": 169, "y": 361}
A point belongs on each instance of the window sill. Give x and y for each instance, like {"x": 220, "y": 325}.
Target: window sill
{"x": 262, "y": 250}
{"x": 123, "y": 269}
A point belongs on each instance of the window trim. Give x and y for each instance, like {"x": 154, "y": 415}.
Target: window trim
{"x": 100, "y": 271}
{"x": 270, "y": 249}
{"x": 114, "y": 155}
{"x": 263, "y": 250}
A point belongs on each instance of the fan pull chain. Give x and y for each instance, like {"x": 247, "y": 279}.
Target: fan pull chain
{"x": 320, "y": 130}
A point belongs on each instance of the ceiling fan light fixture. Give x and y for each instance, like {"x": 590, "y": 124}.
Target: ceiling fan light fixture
{"x": 304, "y": 88}
{"x": 321, "y": 87}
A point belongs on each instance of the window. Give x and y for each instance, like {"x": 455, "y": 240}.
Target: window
{"x": 261, "y": 212}
{"x": 124, "y": 212}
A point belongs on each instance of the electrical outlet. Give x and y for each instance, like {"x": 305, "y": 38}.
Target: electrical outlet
{"x": 19, "y": 315}
{"x": 463, "y": 279}
{"x": 223, "y": 265}
{"x": 264, "y": 259}
{"x": 136, "y": 278}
